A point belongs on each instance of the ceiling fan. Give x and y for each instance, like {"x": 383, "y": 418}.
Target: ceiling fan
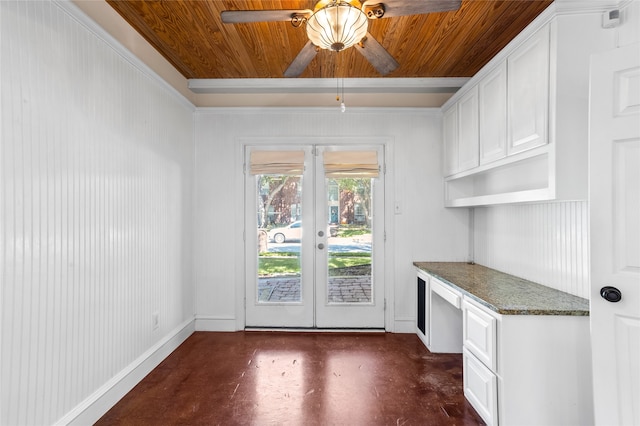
{"x": 339, "y": 24}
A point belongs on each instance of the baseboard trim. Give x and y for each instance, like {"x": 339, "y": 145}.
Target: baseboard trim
{"x": 405, "y": 325}
{"x": 211, "y": 323}
{"x": 316, "y": 330}
{"x": 97, "y": 404}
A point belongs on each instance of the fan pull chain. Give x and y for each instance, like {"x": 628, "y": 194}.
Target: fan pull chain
{"x": 343, "y": 107}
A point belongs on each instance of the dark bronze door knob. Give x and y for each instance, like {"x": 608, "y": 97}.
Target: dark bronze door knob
{"x": 610, "y": 294}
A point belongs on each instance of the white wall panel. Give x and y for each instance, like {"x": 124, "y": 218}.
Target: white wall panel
{"x": 96, "y": 161}
{"x": 423, "y": 229}
{"x": 546, "y": 243}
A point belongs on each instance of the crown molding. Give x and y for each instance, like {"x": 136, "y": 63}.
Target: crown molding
{"x": 587, "y": 6}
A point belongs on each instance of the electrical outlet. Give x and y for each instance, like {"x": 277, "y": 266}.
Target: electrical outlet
{"x": 155, "y": 318}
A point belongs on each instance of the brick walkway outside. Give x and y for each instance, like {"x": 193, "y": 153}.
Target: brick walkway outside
{"x": 341, "y": 289}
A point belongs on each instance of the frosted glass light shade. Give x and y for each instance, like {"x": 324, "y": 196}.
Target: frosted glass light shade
{"x": 337, "y": 26}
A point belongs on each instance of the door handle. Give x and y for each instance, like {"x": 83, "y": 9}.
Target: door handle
{"x": 611, "y": 294}
{"x": 320, "y": 246}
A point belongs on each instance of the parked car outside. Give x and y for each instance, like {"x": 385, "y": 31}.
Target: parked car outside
{"x": 293, "y": 232}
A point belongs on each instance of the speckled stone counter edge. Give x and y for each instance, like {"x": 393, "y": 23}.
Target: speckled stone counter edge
{"x": 503, "y": 293}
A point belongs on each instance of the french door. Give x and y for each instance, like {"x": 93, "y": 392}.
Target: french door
{"x": 314, "y": 233}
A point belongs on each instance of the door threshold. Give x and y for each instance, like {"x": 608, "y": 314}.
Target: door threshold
{"x": 316, "y": 330}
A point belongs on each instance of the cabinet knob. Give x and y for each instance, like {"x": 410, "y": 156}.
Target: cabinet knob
{"x": 611, "y": 294}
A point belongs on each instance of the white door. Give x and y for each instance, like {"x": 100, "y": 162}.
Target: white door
{"x": 350, "y": 179}
{"x": 315, "y": 215}
{"x": 614, "y": 195}
{"x": 278, "y": 288}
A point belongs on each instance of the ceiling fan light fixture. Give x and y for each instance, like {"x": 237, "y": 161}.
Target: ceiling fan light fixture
{"x": 337, "y": 25}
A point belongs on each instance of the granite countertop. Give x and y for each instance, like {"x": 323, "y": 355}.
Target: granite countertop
{"x": 503, "y": 293}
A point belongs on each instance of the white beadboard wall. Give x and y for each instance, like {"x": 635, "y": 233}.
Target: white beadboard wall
{"x": 96, "y": 166}
{"x": 547, "y": 243}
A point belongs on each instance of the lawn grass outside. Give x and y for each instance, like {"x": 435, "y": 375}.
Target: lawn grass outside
{"x": 289, "y": 263}
{"x": 352, "y": 231}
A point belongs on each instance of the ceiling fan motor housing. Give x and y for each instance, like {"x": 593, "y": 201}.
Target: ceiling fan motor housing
{"x": 337, "y": 25}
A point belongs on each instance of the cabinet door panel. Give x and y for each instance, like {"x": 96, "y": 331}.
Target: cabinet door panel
{"x": 468, "y": 130}
{"x": 528, "y": 93}
{"x": 492, "y": 101}
{"x": 480, "y": 387}
{"x": 450, "y": 140}
{"x": 479, "y": 334}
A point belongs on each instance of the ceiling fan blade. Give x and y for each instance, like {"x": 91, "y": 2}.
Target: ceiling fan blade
{"x": 413, "y": 7}
{"x": 244, "y": 16}
{"x": 301, "y": 61}
{"x": 377, "y": 55}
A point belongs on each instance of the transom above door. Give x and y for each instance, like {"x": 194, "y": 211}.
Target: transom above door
{"x": 314, "y": 236}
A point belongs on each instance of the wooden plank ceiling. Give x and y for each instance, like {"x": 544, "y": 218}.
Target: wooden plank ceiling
{"x": 192, "y": 37}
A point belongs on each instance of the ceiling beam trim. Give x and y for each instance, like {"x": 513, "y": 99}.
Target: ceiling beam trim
{"x": 326, "y": 85}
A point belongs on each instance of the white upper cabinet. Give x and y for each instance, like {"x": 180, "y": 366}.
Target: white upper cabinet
{"x": 468, "y": 130}
{"x": 460, "y": 133}
{"x": 517, "y": 131}
{"x": 492, "y": 109}
{"x": 450, "y": 136}
{"x": 504, "y": 113}
{"x": 528, "y": 93}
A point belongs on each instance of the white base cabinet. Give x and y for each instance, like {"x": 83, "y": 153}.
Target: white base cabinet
{"x": 526, "y": 369}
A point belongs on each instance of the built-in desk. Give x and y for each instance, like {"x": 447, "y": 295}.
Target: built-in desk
{"x": 503, "y": 293}
{"x": 526, "y": 348}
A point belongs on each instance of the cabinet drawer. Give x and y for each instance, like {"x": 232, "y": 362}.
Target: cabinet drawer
{"x": 446, "y": 292}
{"x": 480, "y": 387}
{"x": 479, "y": 333}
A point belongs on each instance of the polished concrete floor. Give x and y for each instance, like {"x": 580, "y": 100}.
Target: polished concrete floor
{"x": 287, "y": 378}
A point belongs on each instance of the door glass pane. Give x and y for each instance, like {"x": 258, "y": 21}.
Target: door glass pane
{"x": 279, "y": 238}
{"x": 350, "y": 243}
